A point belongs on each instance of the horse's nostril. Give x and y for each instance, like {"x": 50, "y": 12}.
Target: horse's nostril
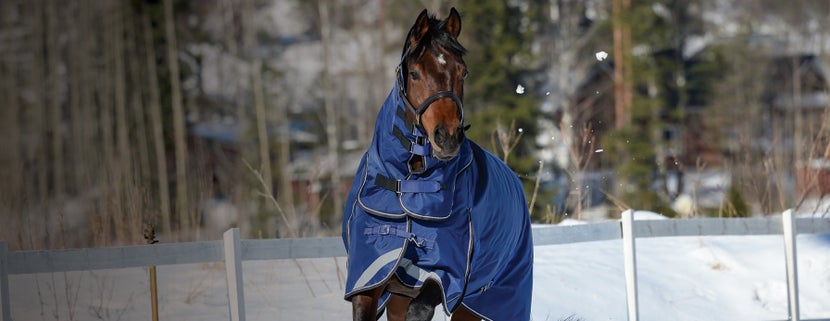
{"x": 446, "y": 140}
{"x": 441, "y": 135}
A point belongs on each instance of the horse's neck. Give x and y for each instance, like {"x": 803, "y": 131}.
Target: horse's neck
{"x": 416, "y": 163}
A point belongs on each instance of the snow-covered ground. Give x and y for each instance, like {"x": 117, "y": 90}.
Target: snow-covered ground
{"x": 681, "y": 278}
{"x": 686, "y": 278}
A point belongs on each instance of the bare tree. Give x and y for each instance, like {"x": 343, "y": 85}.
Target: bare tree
{"x": 777, "y": 149}
{"x": 36, "y": 152}
{"x": 581, "y": 155}
{"x": 286, "y": 188}
{"x": 55, "y": 112}
{"x": 260, "y": 115}
{"x": 154, "y": 107}
{"x": 332, "y": 117}
{"x": 120, "y": 87}
{"x": 142, "y": 172}
{"x": 574, "y": 47}
{"x": 121, "y": 161}
{"x": 622, "y": 62}
{"x": 10, "y": 158}
{"x": 230, "y": 15}
{"x": 180, "y": 144}
{"x": 504, "y": 141}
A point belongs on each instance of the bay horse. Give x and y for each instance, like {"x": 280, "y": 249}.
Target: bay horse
{"x": 431, "y": 217}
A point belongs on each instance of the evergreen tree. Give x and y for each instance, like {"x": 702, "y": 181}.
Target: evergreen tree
{"x": 666, "y": 84}
{"x": 501, "y": 89}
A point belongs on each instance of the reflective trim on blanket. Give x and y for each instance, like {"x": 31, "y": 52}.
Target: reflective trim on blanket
{"x": 376, "y": 266}
{"x": 416, "y": 272}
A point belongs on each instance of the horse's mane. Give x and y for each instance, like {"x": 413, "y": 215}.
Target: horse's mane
{"x": 438, "y": 34}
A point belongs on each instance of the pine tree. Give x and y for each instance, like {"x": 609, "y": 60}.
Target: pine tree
{"x": 498, "y": 35}
{"x": 666, "y": 83}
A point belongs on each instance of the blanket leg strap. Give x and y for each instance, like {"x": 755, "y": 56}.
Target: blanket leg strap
{"x": 384, "y": 230}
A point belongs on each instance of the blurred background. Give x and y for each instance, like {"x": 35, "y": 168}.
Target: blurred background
{"x": 190, "y": 117}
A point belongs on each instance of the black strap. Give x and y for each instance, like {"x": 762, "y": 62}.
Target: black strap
{"x": 386, "y": 183}
{"x": 402, "y": 115}
{"x": 405, "y": 142}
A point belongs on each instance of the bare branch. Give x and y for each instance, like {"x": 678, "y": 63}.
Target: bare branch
{"x": 266, "y": 192}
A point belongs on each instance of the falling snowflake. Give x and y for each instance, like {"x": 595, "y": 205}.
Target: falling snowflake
{"x": 599, "y": 150}
{"x": 520, "y": 89}
{"x": 601, "y": 55}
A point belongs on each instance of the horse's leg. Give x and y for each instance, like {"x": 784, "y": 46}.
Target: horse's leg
{"x": 365, "y": 305}
{"x": 397, "y": 307}
{"x": 422, "y": 308}
{"x": 399, "y": 302}
{"x": 462, "y": 314}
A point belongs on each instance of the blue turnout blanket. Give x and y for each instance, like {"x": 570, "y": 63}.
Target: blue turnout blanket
{"x": 463, "y": 223}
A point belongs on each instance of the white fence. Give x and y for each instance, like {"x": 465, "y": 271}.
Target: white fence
{"x": 233, "y": 250}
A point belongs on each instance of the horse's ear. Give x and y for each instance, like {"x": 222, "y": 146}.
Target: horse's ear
{"x": 453, "y": 23}
{"x": 419, "y": 29}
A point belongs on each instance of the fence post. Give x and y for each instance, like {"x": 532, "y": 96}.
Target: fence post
{"x": 629, "y": 254}
{"x": 790, "y": 235}
{"x": 150, "y": 237}
{"x": 233, "y": 269}
{"x": 5, "y": 301}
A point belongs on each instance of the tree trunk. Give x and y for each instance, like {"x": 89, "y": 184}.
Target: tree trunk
{"x": 154, "y": 106}
{"x": 141, "y": 173}
{"x": 110, "y": 212}
{"x": 331, "y": 111}
{"x": 37, "y": 153}
{"x": 75, "y": 79}
{"x": 89, "y": 146}
{"x": 798, "y": 114}
{"x": 180, "y": 144}
{"x": 262, "y": 137}
{"x": 622, "y": 44}
{"x": 230, "y": 36}
{"x": 286, "y": 191}
{"x": 250, "y": 46}
{"x": 120, "y": 87}
{"x": 123, "y": 158}
{"x": 55, "y": 112}
{"x": 12, "y": 189}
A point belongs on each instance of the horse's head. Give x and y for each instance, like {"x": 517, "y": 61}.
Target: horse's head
{"x": 431, "y": 77}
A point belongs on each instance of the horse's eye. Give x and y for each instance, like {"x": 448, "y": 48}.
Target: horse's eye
{"x": 464, "y": 74}
{"x": 414, "y": 75}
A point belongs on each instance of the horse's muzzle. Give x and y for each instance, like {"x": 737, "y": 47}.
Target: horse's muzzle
{"x": 448, "y": 143}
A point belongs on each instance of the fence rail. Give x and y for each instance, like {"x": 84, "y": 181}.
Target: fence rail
{"x": 233, "y": 250}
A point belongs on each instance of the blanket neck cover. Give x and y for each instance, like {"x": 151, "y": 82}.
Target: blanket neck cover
{"x": 426, "y": 194}
{"x": 443, "y": 223}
